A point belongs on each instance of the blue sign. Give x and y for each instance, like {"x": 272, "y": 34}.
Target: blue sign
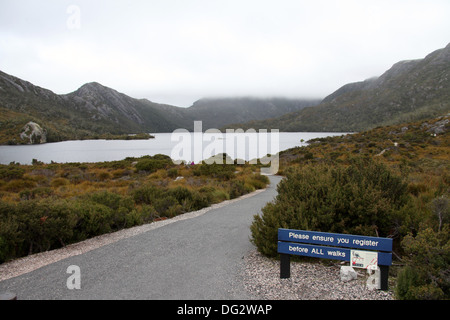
{"x": 323, "y": 252}
{"x": 336, "y": 239}
{"x": 314, "y": 251}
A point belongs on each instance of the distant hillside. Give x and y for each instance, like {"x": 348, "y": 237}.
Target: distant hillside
{"x": 127, "y": 114}
{"x": 90, "y": 112}
{"x": 219, "y": 112}
{"x": 409, "y": 91}
{"x": 94, "y": 111}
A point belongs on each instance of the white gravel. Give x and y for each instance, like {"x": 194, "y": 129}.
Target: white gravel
{"x": 308, "y": 281}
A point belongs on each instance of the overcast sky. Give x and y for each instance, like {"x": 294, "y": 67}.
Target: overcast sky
{"x": 178, "y": 51}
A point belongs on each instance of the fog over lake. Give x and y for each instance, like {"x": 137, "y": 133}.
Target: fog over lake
{"x": 188, "y": 147}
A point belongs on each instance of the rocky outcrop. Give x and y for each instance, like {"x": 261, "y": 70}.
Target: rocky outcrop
{"x": 439, "y": 127}
{"x": 33, "y": 133}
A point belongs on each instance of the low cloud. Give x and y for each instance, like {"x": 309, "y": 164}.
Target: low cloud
{"x": 185, "y": 50}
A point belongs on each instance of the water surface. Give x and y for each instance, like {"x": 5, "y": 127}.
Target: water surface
{"x": 237, "y": 145}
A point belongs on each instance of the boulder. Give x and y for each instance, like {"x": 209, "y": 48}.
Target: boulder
{"x": 439, "y": 127}
{"x": 33, "y": 133}
{"x": 348, "y": 274}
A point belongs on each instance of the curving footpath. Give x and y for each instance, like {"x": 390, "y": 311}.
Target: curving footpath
{"x": 200, "y": 258}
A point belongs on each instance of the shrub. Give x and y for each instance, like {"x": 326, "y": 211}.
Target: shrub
{"x": 93, "y": 219}
{"x": 427, "y": 273}
{"x": 181, "y": 194}
{"x": 258, "y": 181}
{"x": 364, "y": 198}
{"x": 172, "y": 173}
{"x": 214, "y": 170}
{"x": 11, "y": 237}
{"x": 407, "y": 279}
{"x": 45, "y": 224}
{"x": 109, "y": 199}
{"x": 120, "y": 208}
{"x": 151, "y": 164}
{"x": 200, "y": 200}
{"x": 147, "y": 214}
{"x": 103, "y": 175}
{"x": 309, "y": 156}
{"x": 236, "y": 189}
{"x": 19, "y": 185}
{"x": 60, "y": 221}
{"x": 131, "y": 218}
{"x": 167, "y": 206}
{"x": 147, "y": 194}
{"x": 118, "y": 173}
{"x": 220, "y": 195}
{"x": 11, "y": 172}
{"x": 417, "y": 188}
{"x": 59, "y": 182}
{"x": 39, "y": 192}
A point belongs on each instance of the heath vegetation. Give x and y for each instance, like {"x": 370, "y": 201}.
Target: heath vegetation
{"x": 46, "y": 206}
{"x": 387, "y": 182}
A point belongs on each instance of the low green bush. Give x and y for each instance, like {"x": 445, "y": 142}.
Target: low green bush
{"x": 181, "y": 194}
{"x": 38, "y": 225}
{"x": 151, "y": 164}
{"x": 172, "y": 173}
{"x": 201, "y": 200}
{"x": 258, "y": 181}
{"x": 167, "y": 206}
{"x": 11, "y": 238}
{"x": 93, "y": 219}
{"x": 147, "y": 194}
{"x": 236, "y": 189}
{"x": 427, "y": 272}
{"x": 11, "y": 172}
{"x": 214, "y": 170}
{"x": 364, "y": 198}
{"x": 39, "y": 192}
{"x": 19, "y": 185}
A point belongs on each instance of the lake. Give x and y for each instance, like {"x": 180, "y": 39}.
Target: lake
{"x": 179, "y": 146}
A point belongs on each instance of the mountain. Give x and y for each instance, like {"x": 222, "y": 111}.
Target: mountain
{"x": 94, "y": 111}
{"x": 409, "y": 91}
{"x": 218, "y": 112}
{"x": 89, "y": 112}
{"x": 21, "y": 102}
{"x": 152, "y": 117}
{"x": 127, "y": 114}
